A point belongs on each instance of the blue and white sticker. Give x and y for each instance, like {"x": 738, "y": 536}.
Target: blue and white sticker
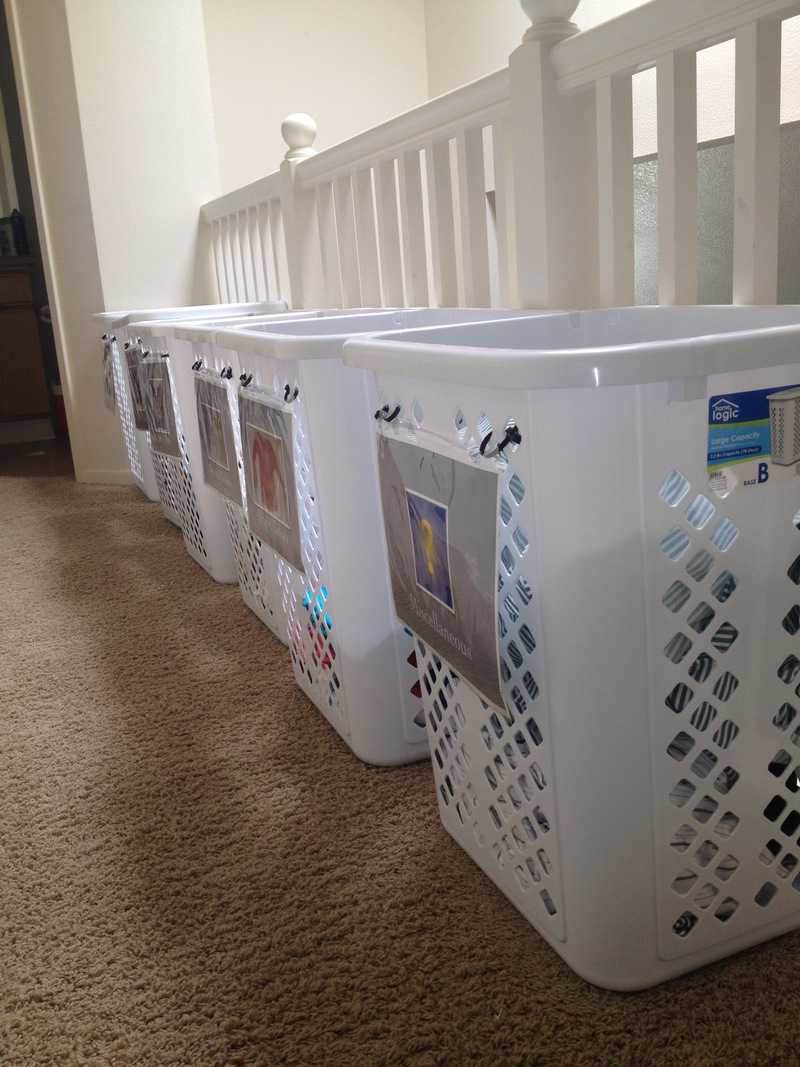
{"x": 751, "y": 438}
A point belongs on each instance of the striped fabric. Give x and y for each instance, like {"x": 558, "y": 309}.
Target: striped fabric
{"x": 683, "y": 837}
{"x": 705, "y": 895}
{"x": 791, "y": 622}
{"x": 699, "y": 565}
{"x": 724, "y": 637}
{"x": 726, "y": 734}
{"x": 726, "y": 867}
{"x": 701, "y": 617}
{"x": 725, "y": 686}
{"x": 784, "y": 717}
{"x": 680, "y": 746}
{"x": 681, "y": 793}
{"x": 677, "y": 648}
{"x": 703, "y": 716}
{"x": 702, "y": 667}
{"x": 679, "y": 698}
{"x": 676, "y": 596}
{"x": 684, "y": 881}
{"x": 705, "y": 808}
{"x": 724, "y": 586}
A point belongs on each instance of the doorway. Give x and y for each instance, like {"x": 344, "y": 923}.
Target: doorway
{"x": 33, "y": 429}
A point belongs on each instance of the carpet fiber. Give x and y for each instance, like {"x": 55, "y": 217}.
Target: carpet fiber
{"x": 195, "y": 871}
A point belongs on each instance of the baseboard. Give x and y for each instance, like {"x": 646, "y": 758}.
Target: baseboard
{"x": 24, "y": 431}
{"x": 95, "y": 477}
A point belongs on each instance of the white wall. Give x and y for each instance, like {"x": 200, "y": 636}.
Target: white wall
{"x": 148, "y": 134}
{"x": 350, "y": 65}
{"x": 54, "y": 145}
{"x": 119, "y": 131}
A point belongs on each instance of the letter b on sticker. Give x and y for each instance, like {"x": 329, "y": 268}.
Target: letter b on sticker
{"x": 763, "y": 473}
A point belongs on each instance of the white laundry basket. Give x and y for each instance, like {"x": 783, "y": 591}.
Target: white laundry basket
{"x": 259, "y": 569}
{"x": 185, "y": 499}
{"x": 636, "y": 790}
{"x": 349, "y": 654}
{"x": 135, "y": 438}
{"x": 116, "y": 327}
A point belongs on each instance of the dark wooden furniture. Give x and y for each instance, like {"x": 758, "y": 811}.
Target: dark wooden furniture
{"x": 23, "y": 389}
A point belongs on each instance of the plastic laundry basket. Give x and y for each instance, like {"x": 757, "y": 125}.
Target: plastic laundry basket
{"x": 259, "y": 569}
{"x": 125, "y": 357}
{"x": 135, "y": 438}
{"x": 636, "y": 790}
{"x": 349, "y": 654}
{"x": 185, "y": 500}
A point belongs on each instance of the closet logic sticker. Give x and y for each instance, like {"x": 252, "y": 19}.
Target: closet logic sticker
{"x": 753, "y": 438}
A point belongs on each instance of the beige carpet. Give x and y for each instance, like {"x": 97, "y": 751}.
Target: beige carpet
{"x": 195, "y": 871}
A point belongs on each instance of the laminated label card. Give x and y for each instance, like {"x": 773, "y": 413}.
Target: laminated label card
{"x": 109, "y": 386}
{"x": 440, "y": 517}
{"x": 220, "y": 466}
{"x": 157, "y": 391}
{"x": 753, "y": 438}
{"x": 267, "y": 445}
{"x": 133, "y": 359}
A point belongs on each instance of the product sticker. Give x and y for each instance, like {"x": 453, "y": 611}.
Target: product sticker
{"x": 220, "y": 465}
{"x": 109, "y": 386}
{"x": 753, "y": 438}
{"x": 267, "y": 443}
{"x": 440, "y": 518}
{"x": 133, "y": 358}
{"x": 157, "y": 390}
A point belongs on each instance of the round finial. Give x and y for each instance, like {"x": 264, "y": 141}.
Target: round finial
{"x": 299, "y": 131}
{"x": 550, "y": 19}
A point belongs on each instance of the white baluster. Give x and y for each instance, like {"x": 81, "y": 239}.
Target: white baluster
{"x": 298, "y": 211}
{"x": 412, "y": 222}
{"x": 440, "y": 211}
{"x": 553, "y": 146}
{"x": 389, "y": 233}
{"x": 329, "y": 245}
{"x": 366, "y": 239}
{"x": 504, "y": 217}
{"x": 472, "y": 212}
{"x": 346, "y": 233}
{"x": 615, "y": 190}
{"x": 757, "y": 161}
{"x": 677, "y": 178}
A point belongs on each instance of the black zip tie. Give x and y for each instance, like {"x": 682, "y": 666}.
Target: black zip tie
{"x": 198, "y": 363}
{"x": 165, "y": 355}
{"x": 245, "y": 380}
{"x": 289, "y": 396}
{"x": 127, "y": 345}
{"x": 386, "y": 414}
{"x": 512, "y": 437}
{"x": 113, "y": 338}
{"x": 226, "y": 372}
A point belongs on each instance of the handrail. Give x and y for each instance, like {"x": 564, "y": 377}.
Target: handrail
{"x": 247, "y": 196}
{"x": 637, "y": 38}
{"x": 475, "y": 101}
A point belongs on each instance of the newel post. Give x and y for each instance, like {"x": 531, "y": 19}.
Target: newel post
{"x": 554, "y": 161}
{"x": 298, "y": 209}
